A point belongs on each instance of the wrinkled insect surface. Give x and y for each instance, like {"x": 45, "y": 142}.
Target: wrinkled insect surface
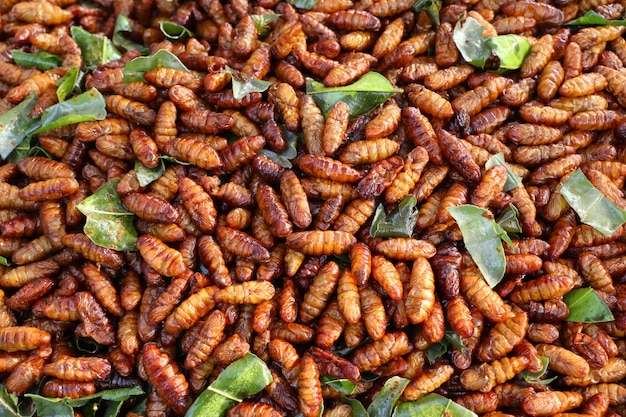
{"x": 284, "y": 179}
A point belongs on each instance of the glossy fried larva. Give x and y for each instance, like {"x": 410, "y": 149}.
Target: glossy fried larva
{"x": 318, "y": 294}
{"x": 23, "y": 338}
{"x": 250, "y": 409}
{"x": 198, "y": 203}
{"x": 373, "y": 312}
{"x": 429, "y": 102}
{"x": 475, "y": 100}
{"x": 540, "y": 54}
{"x": 39, "y": 168}
{"x": 163, "y": 259}
{"x": 321, "y": 242}
{"x": 377, "y": 353}
{"x": 348, "y": 298}
{"x": 481, "y": 296}
{"x": 361, "y": 262}
{"x": 543, "y": 288}
{"x": 78, "y": 369}
{"x": 22, "y": 275}
{"x": 385, "y": 273}
{"x": 56, "y": 388}
{"x": 242, "y": 244}
{"x": 102, "y": 288}
{"x": 95, "y": 322}
{"x": 309, "y": 387}
{"x": 347, "y": 72}
{"x": 273, "y": 210}
{"x": 51, "y": 189}
{"x": 458, "y": 156}
{"x": 427, "y": 381}
{"x": 551, "y": 402}
{"x": 210, "y": 335}
{"x": 564, "y": 361}
{"x": 324, "y": 167}
{"x": 295, "y": 200}
{"x": 164, "y": 375}
{"x": 486, "y": 376}
{"x": 151, "y": 208}
{"x": 250, "y": 292}
{"x": 312, "y": 125}
{"x": 503, "y": 337}
{"x": 335, "y": 128}
{"x": 212, "y": 258}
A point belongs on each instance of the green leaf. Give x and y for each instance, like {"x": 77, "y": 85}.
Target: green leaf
{"x": 400, "y": 222}
{"x": 344, "y": 386}
{"x": 534, "y": 378}
{"x": 51, "y": 407}
{"x": 4, "y": 261}
{"x": 468, "y": 38}
{"x": 387, "y": 397}
{"x": 508, "y": 219}
{"x": 122, "y": 26}
{"x": 109, "y": 224}
{"x": 244, "y": 85}
{"x": 586, "y": 306}
{"x": 174, "y": 32}
{"x": 113, "y": 409}
{"x": 431, "y": 7}
{"x": 8, "y": 404}
{"x": 594, "y": 19}
{"x": 84, "y": 107}
{"x": 87, "y": 345}
{"x": 261, "y": 22}
{"x": 483, "y": 239}
{"x": 432, "y": 405}
{"x": 361, "y": 96}
{"x": 41, "y": 60}
{"x": 16, "y": 125}
{"x": 592, "y": 207}
{"x": 357, "y": 408}
{"x": 509, "y": 51}
{"x": 284, "y": 158}
{"x": 303, "y": 4}
{"x": 97, "y": 49}
{"x": 135, "y": 68}
{"x": 242, "y": 378}
{"x": 146, "y": 175}
{"x": 66, "y": 84}
{"x": 436, "y": 350}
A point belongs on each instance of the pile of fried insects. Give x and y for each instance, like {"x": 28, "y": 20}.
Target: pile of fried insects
{"x": 312, "y": 208}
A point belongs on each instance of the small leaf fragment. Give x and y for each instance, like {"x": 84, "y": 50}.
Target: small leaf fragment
{"x": 361, "y": 96}
{"x": 592, "y": 18}
{"x": 242, "y": 378}
{"x": 109, "y": 224}
{"x": 431, "y": 7}
{"x": 357, "y": 408}
{"x": 432, "y": 405}
{"x": 16, "y": 125}
{"x": 512, "y": 179}
{"x": 174, "y": 32}
{"x": 344, "y": 386}
{"x": 284, "y": 158}
{"x": 534, "y": 378}
{"x": 387, "y": 397}
{"x": 66, "y": 84}
{"x": 303, "y": 4}
{"x": 147, "y": 175}
{"x": 96, "y": 49}
{"x": 135, "y": 68}
{"x": 244, "y": 85}
{"x": 85, "y": 107}
{"x": 41, "y": 60}
{"x": 483, "y": 240}
{"x": 261, "y": 22}
{"x": 592, "y": 207}
{"x": 586, "y": 306}
{"x": 122, "y": 27}
{"x": 501, "y": 53}
{"x": 400, "y": 222}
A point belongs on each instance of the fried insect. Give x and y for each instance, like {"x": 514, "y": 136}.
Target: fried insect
{"x": 321, "y": 242}
{"x": 309, "y": 387}
{"x": 163, "y": 259}
{"x": 165, "y": 377}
